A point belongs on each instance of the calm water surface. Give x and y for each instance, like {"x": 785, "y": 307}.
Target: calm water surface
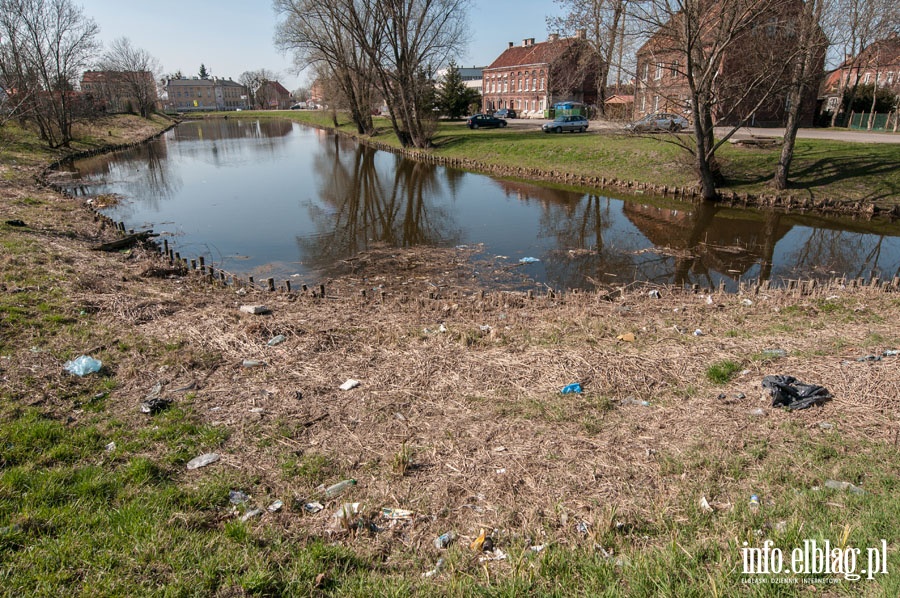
{"x": 274, "y": 198}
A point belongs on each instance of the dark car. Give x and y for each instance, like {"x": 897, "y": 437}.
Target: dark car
{"x": 505, "y": 113}
{"x": 478, "y": 121}
{"x": 658, "y": 122}
{"x": 575, "y": 124}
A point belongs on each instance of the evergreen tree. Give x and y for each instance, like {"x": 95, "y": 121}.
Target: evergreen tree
{"x": 204, "y": 74}
{"x": 454, "y": 97}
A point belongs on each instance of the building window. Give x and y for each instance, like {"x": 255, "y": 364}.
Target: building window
{"x": 659, "y": 70}
{"x": 643, "y": 103}
{"x": 674, "y": 71}
{"x": 867, "y": 78}
{"x": 889, "y": 79}
{"x": 645, "y": 72}
{"x": 656, "y": 103}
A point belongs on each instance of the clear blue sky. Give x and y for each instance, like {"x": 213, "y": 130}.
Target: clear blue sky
{"x": 231, "y": 36}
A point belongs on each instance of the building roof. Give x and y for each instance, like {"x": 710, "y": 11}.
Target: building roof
{"x": 532, "y": 53}
{"x": 620, "y": 99}
{"x": 278, "y": 87}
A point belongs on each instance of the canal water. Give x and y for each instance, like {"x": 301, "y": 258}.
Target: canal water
{"x": 275, "y": 198}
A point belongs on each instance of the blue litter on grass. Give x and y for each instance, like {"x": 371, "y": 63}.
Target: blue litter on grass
{"x": 574, "y": 387}
{"x": 81, "y": 366}
{"x": 529, "y": 260}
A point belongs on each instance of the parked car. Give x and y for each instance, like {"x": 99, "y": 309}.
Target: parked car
{"x": 299, "y": 106}
{"x": 505, "y": 113}
{"x": 661, "y": 121}
{"x": 575, "y": 124}
{"x": 477, "y": 121}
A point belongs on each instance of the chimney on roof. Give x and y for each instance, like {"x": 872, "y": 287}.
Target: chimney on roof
{"x": 580, "y": 33}
{"x": 554, "y": 37}
{"x": 510, "y": 45}
{"x": 525, "y": 43}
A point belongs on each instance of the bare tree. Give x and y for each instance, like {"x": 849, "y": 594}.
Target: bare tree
{"x": 46, "y": 46}
{"x": 729, "y": 63}
{"x": 255, "y": 82}
{"x": 806, "y": 69}
{"x": 856, "y": 25}
{"x": 413, "y": 38}
{"x": 136, "y": 71}
{"x": 321, "y": 34}
{"x": 603, "y": 23}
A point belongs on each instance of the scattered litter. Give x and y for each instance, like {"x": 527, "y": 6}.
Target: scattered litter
{"x": 869, "y": 358}
{"x": 836, "y": 485}
{"x": 698, "y": 332}
{"x": 313, "y": 507}
{"x": 754, "y": 502}
{"x": 499, "y": 449}
{"x": 582, "y": 527}
{"x": 538, "y": 548}
{"x": 276, "y": 340}
{"x": 275, "y": 506}
{"x": 252, "y": 363}
{"x": 83, "y": 365}
{"x": 496, "y": 555}
{"x": 154, "y": 392}
{"x": 891, "y": 353}
{"x": 780, "y": 526}
{"x": 437, "y": 567}
{"x": 154, "y": 406}
{"x": 251, "y": 514}
{"x": 634, "y": 401}
{"x": 257, "y": 410}
{"x": 444, "y": 540}
{"x": 350, "y": 384}
{"x": 628, "y": 337}
{"x": 15, "y": 222}
{"x": 575, "y": 387}
{"x": 653, "y": 294}
{"x": 255, "y": 309}
{"x": 744, "y": 372}
{"x": 338, "y": 488}
{"x": 740, "y": 395}
{"x": 442, "y": 328}
{"x": 787, "y": 391}
{"x": 746, "y": 302}
{"x": 110, "y": 447}
{"x": 772, "y": 353}
{"x": 825, "y": 426}
{"x": 397, "y": 514}
{"x": 236, "y": 497}
{"x": 529, "y": 260}
{"x": 347, "y": 510}
{"x": 704, "y": 505}
{"x": 478, "y": 542}
{"x": 501, "y": 471}
{"x": 485, "y": 328}
{"x": 758, "y": 412}
{"x": 202, "y": 460}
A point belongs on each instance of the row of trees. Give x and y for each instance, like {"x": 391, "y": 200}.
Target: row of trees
{"x": 394, "y": 46}
{"x": 45, "y": 46}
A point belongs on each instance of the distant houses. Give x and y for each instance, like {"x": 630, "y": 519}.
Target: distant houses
{"x": 759, "y": 54}
{"x": 272, "y": 95}
{"x": 196, "y": 94}
{"x": 116, "y": 91}
{"x": 531, "y": 77}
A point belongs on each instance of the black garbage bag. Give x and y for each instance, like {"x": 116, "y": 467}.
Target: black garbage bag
{"x": 789, "y": 392}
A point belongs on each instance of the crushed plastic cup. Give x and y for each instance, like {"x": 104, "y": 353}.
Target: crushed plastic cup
{"x": 575, "y": 387}
{"x": 202, "y": 461}
{"x": 83, "y": 365}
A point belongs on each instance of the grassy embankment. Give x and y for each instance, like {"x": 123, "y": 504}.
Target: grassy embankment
{"x": 833, "y": 170}
{"x": 467, "y": 428}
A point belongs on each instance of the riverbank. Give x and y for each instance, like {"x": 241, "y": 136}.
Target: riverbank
{"x": 828, "y": 176}
{"x": 639, "y": 484}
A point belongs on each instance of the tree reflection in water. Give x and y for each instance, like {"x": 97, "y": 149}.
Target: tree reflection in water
{"x": 363, "y": 202}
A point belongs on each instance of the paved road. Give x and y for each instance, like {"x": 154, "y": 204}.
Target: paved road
{"x": 744, "y": 132}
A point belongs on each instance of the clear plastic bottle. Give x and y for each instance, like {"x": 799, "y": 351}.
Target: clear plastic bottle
{"x": 336, "y": 489}
{"x": 444, "y": 540}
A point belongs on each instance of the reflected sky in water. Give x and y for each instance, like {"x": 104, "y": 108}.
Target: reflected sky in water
{"x": 274, "y": 198}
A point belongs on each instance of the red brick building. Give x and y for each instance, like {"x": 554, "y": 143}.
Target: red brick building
{"x": 879, "y": 65}
{"x": 114, "y": 91}
{"x": 531, "y": 77}
{"x": 755, "y": 55}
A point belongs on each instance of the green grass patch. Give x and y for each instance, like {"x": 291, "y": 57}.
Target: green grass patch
{"x": 722, "y": 371}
